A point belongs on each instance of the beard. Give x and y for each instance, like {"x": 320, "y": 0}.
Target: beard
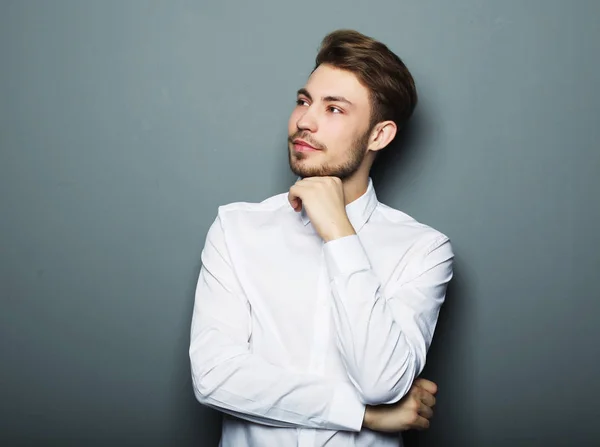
{"x": 344, "y": 170}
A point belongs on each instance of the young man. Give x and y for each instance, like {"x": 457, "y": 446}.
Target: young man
{"x": 315, "y": 308}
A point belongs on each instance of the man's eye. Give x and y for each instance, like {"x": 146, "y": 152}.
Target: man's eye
{"x": 301, "y": 102}
{"x": 334, "y": 109}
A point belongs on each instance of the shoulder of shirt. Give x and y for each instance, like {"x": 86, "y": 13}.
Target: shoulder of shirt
{"x": 401, "y": 222}
{"x": 273, "y": 203}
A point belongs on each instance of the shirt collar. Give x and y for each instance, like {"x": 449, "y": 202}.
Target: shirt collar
{"x": 359, "y": 211}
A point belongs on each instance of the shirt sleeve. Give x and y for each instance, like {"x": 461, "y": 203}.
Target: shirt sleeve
{"x": 383, "y": 340}
{"x": 227, "y": 376}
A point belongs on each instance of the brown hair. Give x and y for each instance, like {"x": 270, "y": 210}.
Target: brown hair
{"x": 392, "y": 88}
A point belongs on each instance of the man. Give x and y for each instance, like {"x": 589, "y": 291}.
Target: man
{"x": 315, "y": 308}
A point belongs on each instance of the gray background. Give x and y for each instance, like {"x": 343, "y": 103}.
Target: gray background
{"x": 124, "y": 124}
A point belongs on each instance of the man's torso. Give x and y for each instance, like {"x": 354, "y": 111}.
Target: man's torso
{"x": 277, "y": 257}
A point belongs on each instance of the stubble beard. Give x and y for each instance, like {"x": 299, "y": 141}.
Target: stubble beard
{"x": 343, "y": 171}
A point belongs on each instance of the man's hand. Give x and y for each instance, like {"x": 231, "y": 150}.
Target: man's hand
{"x": 323, "y": 200}
{"x": 412, "y": 412}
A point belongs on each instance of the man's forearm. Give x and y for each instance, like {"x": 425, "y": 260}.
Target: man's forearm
{"x": 383, "y": 340}
{"x": 226, "y": 376}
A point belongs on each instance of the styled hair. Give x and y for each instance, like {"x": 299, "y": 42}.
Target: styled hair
{"x": 391, "y": 86}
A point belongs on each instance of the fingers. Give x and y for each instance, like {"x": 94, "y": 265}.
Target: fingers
{"x": 295, "y": 195}
{"x": 427, "y": 385}
{"x": 294, "y": 198}
{"x": 422, "y": 395}
{"x": 420, "y": 423}
{"x": 425, "y": 411}
{"x": 426, "y": 398}
{"x": 295, "y": 202}
{"x": 419, "y": 403}
{"x": 308, "y": 187}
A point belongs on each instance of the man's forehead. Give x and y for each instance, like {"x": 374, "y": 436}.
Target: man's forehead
{"x": 331, "y": 81}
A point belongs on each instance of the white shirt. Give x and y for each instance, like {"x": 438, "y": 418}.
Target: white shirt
{"x": 291, "y": 337}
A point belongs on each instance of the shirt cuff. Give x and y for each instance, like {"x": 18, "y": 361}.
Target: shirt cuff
{"x": 345, "y": 255}
{"x": 346, "y": 410}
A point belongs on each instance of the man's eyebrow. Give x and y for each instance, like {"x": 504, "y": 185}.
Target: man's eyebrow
{"x": 304, "y": 92}
{"x": 336, "y": 99}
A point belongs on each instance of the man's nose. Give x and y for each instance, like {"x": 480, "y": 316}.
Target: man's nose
{"x": 307, "y": 121}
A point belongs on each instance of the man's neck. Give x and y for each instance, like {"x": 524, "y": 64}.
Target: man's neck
{"x": 354, "y": 187}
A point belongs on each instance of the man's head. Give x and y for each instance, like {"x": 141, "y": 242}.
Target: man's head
{"x": 357, "y": 97}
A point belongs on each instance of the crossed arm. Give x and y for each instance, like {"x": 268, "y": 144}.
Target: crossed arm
{"x": 383, "y": 340}
{"x": 391, "y": 336}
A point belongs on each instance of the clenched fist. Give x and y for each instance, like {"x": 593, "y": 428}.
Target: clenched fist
{"x": 323, "y": 200}
{"x": 412, "y": 412}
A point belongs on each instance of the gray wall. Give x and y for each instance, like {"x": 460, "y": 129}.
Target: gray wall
{"x": 124, "y": 124}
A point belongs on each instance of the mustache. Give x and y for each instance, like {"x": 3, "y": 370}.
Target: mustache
{"x": 306, "y": 137}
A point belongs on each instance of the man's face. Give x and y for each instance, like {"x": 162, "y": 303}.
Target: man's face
{"x": 328, "y": 130}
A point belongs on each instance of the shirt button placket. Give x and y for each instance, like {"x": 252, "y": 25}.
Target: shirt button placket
{"x": 320, "y": 342}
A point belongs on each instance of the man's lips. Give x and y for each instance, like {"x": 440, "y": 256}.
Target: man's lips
{"x": 303, "y": 146}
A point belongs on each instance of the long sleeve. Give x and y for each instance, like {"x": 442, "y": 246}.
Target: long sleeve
{"x": 227, "y": 376}
{"x": 383, "y": 340}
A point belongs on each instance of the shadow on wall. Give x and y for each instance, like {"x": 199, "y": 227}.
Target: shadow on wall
{"x": 394, "y": 162}
{"x": 448, "y": 358}
{"x": 449, "y": 355}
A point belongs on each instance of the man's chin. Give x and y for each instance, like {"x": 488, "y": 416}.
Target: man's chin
{"x": 306, "y": 173}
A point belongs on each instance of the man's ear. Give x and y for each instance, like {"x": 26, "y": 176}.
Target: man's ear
{"x": 381, "y": 135}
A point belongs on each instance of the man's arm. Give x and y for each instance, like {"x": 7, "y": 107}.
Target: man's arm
{"x": 384, "y": 340}
{"x": 228, "y": 377}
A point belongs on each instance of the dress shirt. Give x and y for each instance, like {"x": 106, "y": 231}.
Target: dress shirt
{"x": 291, "y": 337}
